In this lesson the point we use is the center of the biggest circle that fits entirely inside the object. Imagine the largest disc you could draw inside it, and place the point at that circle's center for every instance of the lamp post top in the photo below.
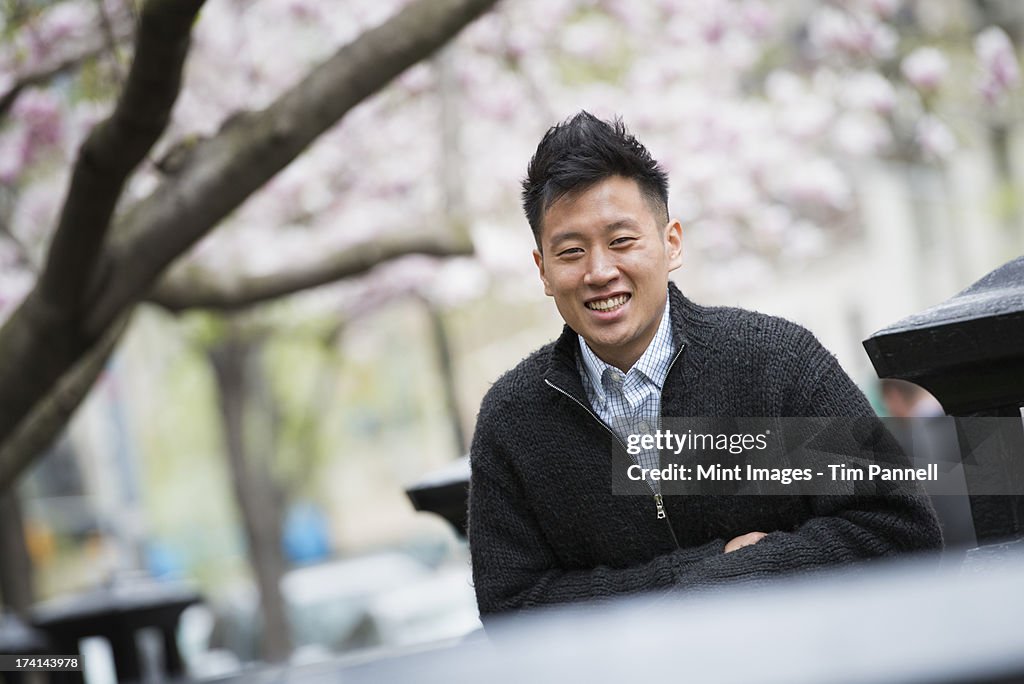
(968, 350)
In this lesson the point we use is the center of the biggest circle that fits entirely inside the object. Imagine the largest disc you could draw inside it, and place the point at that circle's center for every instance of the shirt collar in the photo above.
(653, 364)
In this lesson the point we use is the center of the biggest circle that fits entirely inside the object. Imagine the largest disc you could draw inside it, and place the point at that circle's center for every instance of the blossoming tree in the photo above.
(755, 107)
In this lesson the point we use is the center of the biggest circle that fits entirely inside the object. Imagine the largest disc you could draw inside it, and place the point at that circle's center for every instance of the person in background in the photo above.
(904, 399)
(926, 442)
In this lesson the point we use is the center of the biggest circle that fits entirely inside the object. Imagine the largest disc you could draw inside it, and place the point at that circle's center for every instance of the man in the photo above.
(544, 524)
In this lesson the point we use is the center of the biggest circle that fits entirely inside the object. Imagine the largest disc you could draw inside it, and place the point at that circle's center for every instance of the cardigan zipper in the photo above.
(657, 497)
(661, 507)
(659, 504)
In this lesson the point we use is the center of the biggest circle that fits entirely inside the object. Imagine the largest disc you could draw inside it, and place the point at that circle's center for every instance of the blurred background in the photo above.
(325, 346)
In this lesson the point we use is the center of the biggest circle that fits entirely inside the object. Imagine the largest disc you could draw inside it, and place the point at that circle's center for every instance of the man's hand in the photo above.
(748, 539)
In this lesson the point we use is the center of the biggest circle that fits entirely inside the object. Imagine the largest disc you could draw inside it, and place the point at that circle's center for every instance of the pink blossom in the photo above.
(886, 9)
(732, 195)
(935, 138)
(999, 68)
(818, 183)
(861, 135)
(743, 165)
(36, 128)
(869, 90)
(834, 31)
(784, 86)
(304, 10)
(418, 79)
(773, 222)
(65, 20)
(631, 15)
(10, 255)
(808, 118)
(41, 112)
(758, 19)
(520, 42)
(763, 153)
(483, 34)
(10, 157)
(714, 27)
(925, 68)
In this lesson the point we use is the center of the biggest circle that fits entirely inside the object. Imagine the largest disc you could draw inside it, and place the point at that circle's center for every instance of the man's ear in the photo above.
(674, 244)
(538, 259)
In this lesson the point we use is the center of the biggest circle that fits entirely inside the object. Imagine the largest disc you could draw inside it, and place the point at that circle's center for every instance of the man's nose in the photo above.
(601, 269)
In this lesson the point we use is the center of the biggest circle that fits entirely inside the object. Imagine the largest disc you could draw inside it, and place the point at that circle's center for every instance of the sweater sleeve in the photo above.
(842, 529)
(515, 567)
(846, 528)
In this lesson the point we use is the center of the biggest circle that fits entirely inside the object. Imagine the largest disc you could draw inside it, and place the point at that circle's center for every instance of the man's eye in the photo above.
(572, 251)
(623, 240)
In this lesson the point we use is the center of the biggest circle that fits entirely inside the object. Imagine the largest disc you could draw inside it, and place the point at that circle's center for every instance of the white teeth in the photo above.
(608, 304)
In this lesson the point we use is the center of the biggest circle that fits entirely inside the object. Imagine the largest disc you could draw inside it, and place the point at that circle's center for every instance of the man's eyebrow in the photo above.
(565, 236)
(621, 223)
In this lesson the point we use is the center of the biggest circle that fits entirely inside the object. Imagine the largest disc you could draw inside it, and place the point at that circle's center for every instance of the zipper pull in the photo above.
(661, 507)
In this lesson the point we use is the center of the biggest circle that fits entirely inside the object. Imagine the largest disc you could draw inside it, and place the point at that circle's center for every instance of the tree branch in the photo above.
(222, 171)
(111, 38)
(116, 146)
(48, 417)
(42, 341)
(193, 288)
(44, 338)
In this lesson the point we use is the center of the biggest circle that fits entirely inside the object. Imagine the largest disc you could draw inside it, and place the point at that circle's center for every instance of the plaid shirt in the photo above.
(630, 403)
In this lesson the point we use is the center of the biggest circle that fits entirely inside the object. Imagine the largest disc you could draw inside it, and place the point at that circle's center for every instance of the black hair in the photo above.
(584, 150)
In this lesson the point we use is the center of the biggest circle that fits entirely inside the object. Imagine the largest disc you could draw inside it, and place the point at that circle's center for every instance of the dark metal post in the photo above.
(968, 351)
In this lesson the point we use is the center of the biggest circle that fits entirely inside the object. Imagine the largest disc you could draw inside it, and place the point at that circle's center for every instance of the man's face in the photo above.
(605, 258)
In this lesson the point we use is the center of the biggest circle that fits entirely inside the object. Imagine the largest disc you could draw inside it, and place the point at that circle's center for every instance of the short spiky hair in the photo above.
(584, 150)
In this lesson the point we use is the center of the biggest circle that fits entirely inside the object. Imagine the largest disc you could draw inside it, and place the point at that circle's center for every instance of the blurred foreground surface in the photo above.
(912, 621)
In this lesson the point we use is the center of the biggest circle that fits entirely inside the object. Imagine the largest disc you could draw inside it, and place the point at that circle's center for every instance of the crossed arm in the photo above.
(514, 566)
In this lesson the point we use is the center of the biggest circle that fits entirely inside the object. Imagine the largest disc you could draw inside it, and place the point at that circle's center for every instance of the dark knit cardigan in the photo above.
(544, 526)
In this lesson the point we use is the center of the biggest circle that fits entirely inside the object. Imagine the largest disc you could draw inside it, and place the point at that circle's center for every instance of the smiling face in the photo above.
(605, 258)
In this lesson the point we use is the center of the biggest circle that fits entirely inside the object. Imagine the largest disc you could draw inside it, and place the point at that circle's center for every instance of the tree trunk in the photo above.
(453, 179)
(60, 321)
(999, 143)
(235, 362)
(16, 584)
(442, 348)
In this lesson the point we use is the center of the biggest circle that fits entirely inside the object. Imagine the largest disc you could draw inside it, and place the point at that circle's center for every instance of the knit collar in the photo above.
(688, 323)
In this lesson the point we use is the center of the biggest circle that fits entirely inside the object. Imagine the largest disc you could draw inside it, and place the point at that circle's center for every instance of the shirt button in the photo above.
(645, 427)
